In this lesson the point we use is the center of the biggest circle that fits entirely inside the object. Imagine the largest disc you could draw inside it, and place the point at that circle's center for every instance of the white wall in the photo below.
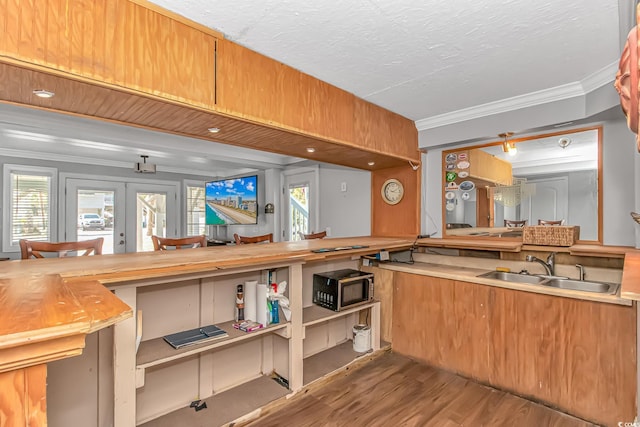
(346, 213)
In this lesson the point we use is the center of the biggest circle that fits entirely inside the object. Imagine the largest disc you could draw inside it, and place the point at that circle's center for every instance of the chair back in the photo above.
(36, 249)
(166, 243)
(550, 222)
(514, 223)
(255, 239)
(319, 235)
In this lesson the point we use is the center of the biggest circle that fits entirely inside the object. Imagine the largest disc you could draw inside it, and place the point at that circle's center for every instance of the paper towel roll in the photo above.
(250, 300)
(261, 304)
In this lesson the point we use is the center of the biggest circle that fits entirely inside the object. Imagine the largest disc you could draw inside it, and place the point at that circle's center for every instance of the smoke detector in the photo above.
(144, 167)
(564, 142)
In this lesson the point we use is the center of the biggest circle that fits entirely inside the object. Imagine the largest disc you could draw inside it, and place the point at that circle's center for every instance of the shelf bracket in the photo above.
(140, 377)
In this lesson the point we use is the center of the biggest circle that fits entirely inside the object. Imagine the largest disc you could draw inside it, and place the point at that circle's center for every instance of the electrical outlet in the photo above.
(328, 230)
(343, 186)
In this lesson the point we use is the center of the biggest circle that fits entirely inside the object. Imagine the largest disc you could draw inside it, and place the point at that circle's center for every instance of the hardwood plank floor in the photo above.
(393, 390)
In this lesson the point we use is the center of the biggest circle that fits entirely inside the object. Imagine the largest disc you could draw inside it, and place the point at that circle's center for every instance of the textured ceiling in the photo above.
(424, 58)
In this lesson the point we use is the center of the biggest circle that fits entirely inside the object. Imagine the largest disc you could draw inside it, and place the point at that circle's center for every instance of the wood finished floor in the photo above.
(393, 390)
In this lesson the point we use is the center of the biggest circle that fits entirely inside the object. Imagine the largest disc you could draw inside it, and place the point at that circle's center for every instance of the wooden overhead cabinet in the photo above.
(117, 42)
(258, 88)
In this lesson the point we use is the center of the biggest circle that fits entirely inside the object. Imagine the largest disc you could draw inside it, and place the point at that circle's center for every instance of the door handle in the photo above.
(121, 242)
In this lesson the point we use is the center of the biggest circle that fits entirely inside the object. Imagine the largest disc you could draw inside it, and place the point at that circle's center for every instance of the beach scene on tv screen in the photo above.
(231, 201)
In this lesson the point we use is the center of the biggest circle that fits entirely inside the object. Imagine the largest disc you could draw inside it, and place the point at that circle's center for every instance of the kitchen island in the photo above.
(174, 291)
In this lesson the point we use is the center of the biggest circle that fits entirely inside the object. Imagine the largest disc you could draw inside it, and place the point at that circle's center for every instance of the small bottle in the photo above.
(275, 315)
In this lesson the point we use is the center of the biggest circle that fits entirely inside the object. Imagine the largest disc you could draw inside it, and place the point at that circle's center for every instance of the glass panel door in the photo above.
(96, 209)
(300, 208)
(152, 210)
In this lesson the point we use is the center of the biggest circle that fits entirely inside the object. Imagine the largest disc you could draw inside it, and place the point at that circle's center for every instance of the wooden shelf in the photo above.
(328, 361)
(225, 407)
(316, 314)
(157, 351)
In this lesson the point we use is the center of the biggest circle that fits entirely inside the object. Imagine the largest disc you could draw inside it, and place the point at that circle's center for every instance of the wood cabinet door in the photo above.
(116, 42)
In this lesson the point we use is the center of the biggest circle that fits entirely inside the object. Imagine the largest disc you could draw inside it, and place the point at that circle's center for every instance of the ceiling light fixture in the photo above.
(508, 147)
(371, 163)
(214, 130)
(43, 93)
(311, 150)
(564, 142)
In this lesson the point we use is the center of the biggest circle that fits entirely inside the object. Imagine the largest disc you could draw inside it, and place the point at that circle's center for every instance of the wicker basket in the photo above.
(554, 235)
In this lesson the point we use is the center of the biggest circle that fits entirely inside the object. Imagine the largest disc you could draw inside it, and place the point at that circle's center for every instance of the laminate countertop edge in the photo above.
(468, 274)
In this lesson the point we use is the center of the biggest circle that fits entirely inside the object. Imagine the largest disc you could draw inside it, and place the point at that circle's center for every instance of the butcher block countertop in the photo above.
(49, 305)
(44, 318)
(109, 269)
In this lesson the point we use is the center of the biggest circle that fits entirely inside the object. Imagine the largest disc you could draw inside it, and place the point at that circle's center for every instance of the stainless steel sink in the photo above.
(583, 285)
(513, 277)
(552, 281)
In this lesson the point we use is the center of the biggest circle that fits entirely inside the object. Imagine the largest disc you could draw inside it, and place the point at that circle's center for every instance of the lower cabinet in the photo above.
(128, 375)
(575, 355)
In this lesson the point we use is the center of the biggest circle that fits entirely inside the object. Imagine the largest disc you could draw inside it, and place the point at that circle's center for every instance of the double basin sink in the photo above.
(554, 282)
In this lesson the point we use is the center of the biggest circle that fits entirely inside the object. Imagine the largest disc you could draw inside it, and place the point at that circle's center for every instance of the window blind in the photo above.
(30, 207)
(195, 210)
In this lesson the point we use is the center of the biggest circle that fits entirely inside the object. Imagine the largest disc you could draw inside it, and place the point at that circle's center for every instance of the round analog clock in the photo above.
(392, 191)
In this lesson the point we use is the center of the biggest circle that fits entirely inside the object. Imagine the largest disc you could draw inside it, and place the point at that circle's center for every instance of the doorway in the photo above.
(300, 191)
(96, 209)
(153, 211)
(125, 214)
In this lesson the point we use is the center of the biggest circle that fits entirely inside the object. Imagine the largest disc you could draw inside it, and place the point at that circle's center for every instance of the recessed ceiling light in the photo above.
(371, 163)
(214, 130)
(43, 93)
(311, 150)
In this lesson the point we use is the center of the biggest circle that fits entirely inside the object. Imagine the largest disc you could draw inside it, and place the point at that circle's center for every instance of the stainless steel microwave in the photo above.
(342, 289)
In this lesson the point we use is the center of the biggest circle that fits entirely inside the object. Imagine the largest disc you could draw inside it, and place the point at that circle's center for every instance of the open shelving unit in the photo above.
(236, 374)
(157, 351)
(334, 358)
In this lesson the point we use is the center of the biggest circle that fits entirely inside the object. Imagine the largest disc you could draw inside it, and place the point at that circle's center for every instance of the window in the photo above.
(195, 209)
(29, 200)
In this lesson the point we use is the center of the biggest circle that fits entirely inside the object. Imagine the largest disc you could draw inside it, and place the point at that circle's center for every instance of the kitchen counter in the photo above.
(469, 274)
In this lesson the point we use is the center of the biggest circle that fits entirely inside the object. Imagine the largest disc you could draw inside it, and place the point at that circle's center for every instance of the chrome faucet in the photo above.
(549, 266)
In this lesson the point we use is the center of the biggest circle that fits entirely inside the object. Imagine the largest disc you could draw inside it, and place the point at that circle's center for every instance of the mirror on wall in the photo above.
(493, 190)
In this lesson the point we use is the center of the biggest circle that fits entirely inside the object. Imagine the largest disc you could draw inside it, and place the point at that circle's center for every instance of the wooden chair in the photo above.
(514, 223)
(36, 249)
(550, 222)
(165, 243)
(255, 239)
(319, 235)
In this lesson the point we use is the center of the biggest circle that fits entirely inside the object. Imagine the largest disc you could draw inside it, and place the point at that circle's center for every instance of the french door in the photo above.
(125, 214)
(152, 209)
(102, 200)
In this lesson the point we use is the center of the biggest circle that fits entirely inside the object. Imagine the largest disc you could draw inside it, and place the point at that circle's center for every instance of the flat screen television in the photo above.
(232, 201)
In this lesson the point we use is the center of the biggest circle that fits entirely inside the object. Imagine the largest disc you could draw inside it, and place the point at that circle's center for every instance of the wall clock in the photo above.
(392, 191)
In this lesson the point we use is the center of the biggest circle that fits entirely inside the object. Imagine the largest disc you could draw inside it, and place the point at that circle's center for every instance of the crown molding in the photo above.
(102, 162)
(594, 81)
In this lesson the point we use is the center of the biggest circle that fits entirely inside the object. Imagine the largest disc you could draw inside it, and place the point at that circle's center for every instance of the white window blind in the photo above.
(195, 210)
(28, 205)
